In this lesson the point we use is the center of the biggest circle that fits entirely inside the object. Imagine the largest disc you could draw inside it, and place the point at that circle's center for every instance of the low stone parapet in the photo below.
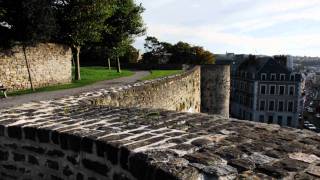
(51, 141)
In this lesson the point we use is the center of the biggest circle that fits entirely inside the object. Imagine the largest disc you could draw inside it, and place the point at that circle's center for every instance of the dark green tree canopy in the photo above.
(180, 53)
(82, 21)
(124, 25)
(28, 21)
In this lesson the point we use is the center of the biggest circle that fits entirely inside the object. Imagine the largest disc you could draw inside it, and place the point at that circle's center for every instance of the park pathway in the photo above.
(43, 96)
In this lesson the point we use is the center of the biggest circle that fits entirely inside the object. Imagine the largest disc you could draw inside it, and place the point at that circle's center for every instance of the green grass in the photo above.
(161, 73)
(89, 75)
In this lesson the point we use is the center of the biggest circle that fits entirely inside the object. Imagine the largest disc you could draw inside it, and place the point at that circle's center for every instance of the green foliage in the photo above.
(161, 73)
(28, 21)
(97, 55)
(156, 51)
(82, 21)
(124, 24)
(131, 55)
(181, 53)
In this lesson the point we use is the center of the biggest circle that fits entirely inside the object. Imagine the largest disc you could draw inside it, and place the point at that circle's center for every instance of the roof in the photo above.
(263, 64)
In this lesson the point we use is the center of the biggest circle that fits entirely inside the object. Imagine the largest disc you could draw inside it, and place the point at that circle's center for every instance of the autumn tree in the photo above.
(179, 53)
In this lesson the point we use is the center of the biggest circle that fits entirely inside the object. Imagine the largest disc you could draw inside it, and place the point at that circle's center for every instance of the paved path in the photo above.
(42, 96)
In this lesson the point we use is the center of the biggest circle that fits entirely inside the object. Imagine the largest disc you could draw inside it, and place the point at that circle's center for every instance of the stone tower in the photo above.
(215, 89)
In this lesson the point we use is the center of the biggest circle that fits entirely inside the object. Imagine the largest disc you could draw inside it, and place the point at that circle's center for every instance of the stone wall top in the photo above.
(175, 145)
(138, 143)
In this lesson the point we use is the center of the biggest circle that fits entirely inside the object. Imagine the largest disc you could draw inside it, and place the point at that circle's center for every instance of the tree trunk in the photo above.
(109, 65)
(28, 67)
(76, 53)
(118, 65)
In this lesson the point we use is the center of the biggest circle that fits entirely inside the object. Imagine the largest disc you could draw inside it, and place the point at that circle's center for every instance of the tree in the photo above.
(82, 22)
(28, 22)
(156, 51)
(131, 55)
(180, 53)
(125, 24)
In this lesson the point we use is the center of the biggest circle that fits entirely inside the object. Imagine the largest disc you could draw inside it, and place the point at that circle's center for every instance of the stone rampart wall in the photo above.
(55, 140)
(178, 93)
(50, 64)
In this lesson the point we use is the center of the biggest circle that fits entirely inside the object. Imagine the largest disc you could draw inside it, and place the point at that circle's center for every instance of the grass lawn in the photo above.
(89, 75)
(161, 73)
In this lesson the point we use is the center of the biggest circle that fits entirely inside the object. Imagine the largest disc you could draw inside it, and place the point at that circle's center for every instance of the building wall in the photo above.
(50, 64)
(251, 90)
(177, 93)
(215, 89)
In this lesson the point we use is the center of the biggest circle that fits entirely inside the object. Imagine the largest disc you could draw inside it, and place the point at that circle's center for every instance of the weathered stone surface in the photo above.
(177, 93)
(215, 87)
(314, 170)
(50, 64)
(72, 139)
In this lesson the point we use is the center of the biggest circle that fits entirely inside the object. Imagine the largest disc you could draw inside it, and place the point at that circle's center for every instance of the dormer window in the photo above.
(282, 77)
(273, 77)
(263, 76)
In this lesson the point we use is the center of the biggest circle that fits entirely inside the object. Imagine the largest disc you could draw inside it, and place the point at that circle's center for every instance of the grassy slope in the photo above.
(161, 73)
(89, 75)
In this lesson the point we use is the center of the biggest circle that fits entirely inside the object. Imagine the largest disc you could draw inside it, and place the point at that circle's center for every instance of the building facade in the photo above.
(265, 90)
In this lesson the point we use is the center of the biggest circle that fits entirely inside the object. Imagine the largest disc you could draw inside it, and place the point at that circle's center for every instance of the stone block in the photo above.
(14, 132)
(52, 164)
(30, 133)
(18, 157)
(4, 155)
(55, 153)
(97, 167)
(33, 160)
(43, 135)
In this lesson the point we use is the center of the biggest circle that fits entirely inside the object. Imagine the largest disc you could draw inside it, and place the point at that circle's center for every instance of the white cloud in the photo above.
(227, 25)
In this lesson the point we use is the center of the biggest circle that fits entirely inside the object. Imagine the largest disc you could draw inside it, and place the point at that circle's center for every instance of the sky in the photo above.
(266, 27)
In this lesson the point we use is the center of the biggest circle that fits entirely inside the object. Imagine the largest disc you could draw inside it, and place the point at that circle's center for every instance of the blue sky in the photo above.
(241, 26)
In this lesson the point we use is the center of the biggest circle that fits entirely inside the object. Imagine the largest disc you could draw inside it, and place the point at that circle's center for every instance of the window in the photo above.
(263, 89)
(291, 90)
(271, 105)
(292, 77)
(263, 76)
(261, 118)
(289, 121)
(270, 119)
(280, 106)
(273, 77)
(242, 74)
(281, 90)
(272, 89)
(262, 105)
(280, 120)
(282, 77)
(290, 106)
(250, 117)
